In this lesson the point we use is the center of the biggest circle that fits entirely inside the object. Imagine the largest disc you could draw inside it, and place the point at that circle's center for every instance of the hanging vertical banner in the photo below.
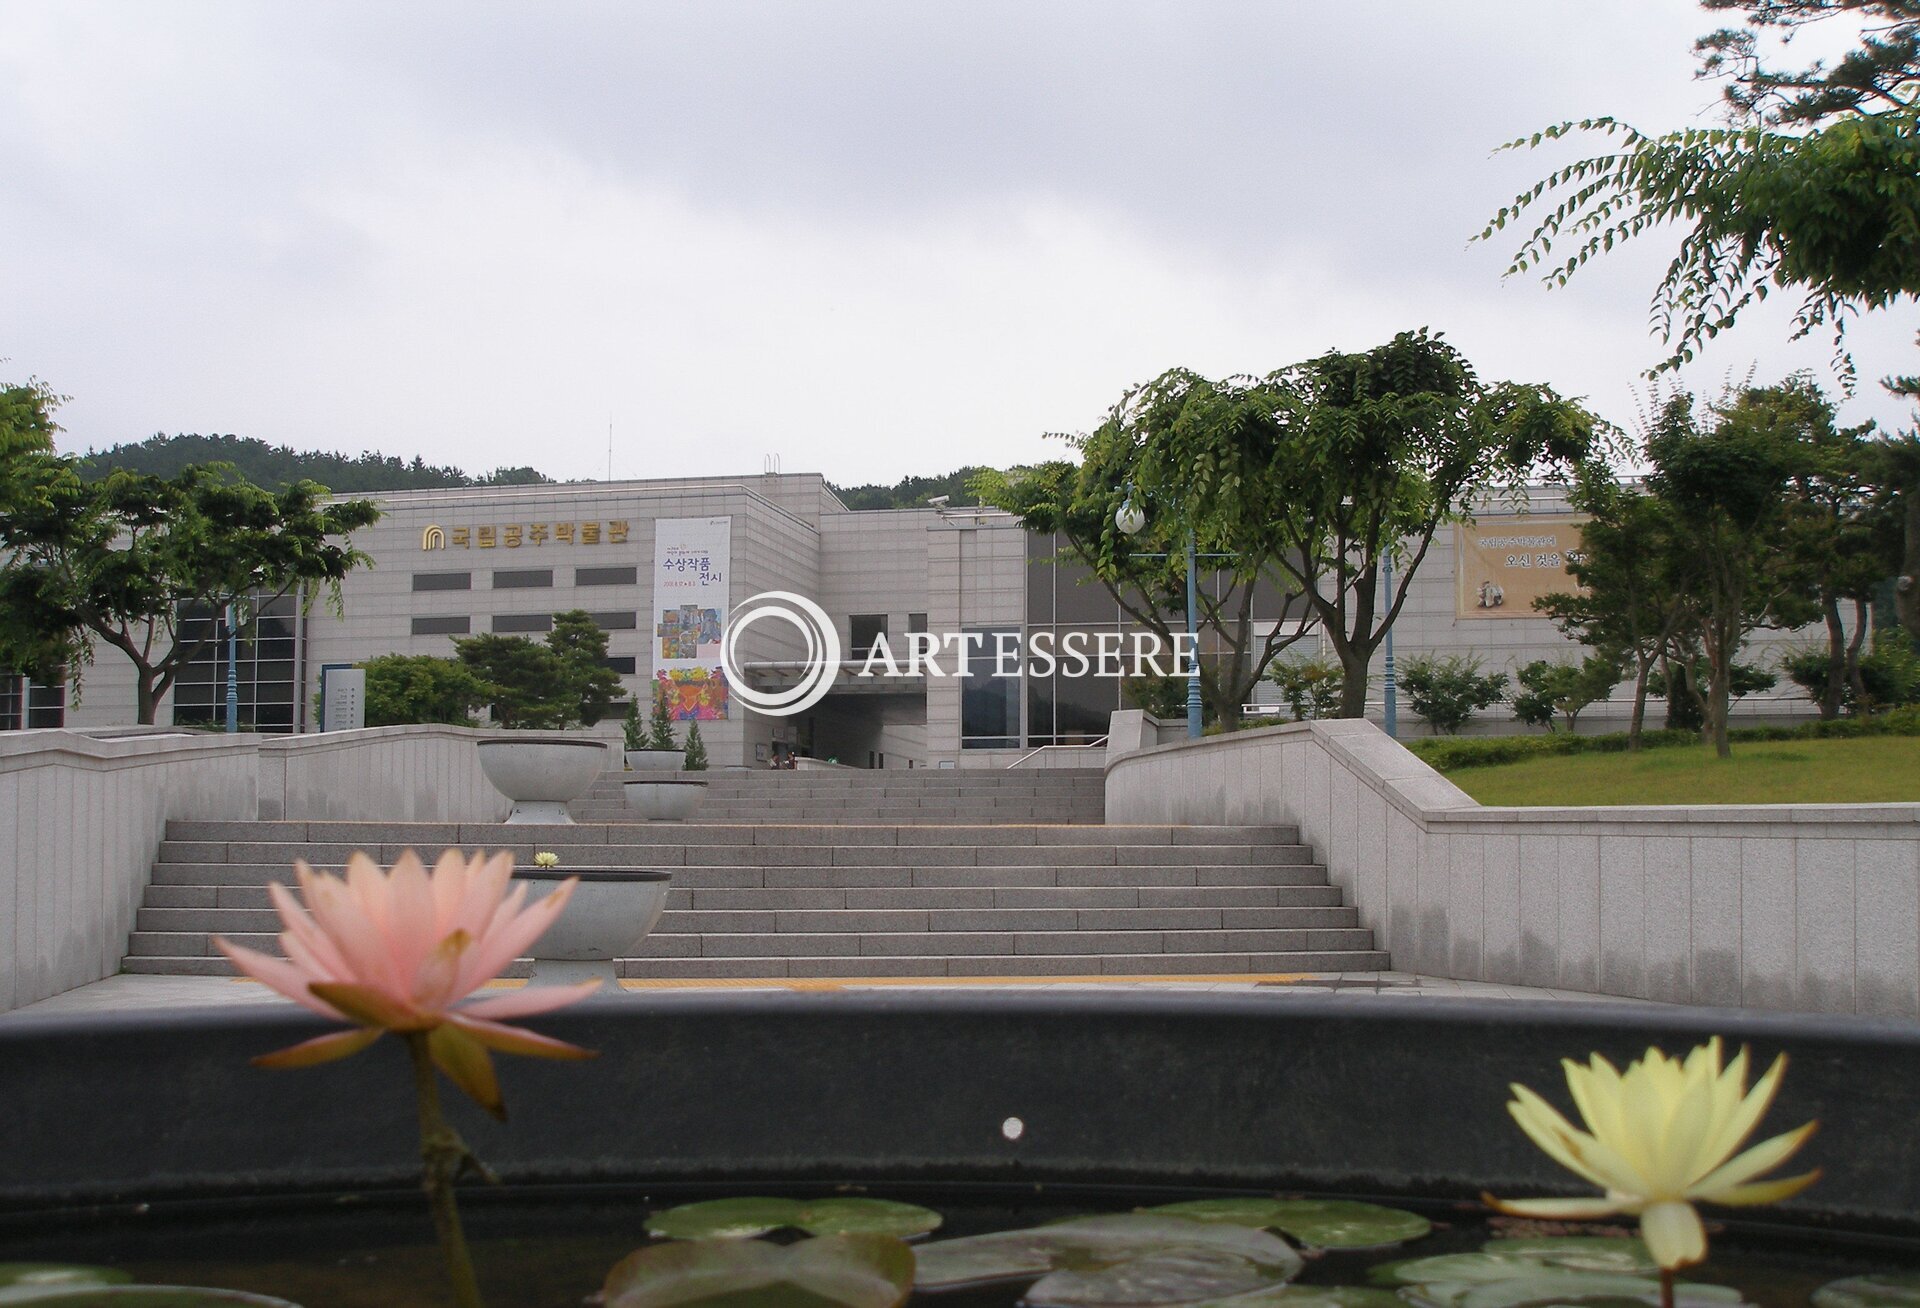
(691, 560)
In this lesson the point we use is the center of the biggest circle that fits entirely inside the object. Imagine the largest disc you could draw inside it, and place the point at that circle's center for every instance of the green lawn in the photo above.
(1868, 770)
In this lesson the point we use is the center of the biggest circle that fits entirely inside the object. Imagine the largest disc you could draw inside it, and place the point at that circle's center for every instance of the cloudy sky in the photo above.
(872, 239)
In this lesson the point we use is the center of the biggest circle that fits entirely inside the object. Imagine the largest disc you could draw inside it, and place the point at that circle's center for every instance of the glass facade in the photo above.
(267, 667)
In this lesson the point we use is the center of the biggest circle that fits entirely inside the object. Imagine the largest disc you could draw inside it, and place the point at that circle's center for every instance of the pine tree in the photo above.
(696, 749)
(660, 722)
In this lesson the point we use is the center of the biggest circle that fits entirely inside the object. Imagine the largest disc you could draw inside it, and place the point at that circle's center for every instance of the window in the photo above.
(863, 629)
(264, 679)
(523, 622)
(28, 703)
(620, 620)
(989, 704)
(605, 576)
(625, 665)
(522, 579)
(443, 581)
(916, 622)
(460, 626)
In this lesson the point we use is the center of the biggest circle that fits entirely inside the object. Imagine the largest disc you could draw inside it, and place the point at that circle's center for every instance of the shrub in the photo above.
(1448, 754)
(660, 721)
(1683, 714)
(1310, 685)
(630, 728)
(1891, 675)
(1550, 687)
(1447, 692)
(407, 688)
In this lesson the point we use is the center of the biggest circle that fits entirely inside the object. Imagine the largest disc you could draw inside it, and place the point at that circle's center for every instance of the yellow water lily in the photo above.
(1661, 1137)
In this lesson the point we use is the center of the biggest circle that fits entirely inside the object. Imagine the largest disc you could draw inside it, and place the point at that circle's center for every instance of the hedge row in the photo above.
(1451, 753)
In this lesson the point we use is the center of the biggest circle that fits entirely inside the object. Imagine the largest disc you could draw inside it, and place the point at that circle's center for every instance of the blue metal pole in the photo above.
(233, 672)
(1392, 707)
(1193, 641)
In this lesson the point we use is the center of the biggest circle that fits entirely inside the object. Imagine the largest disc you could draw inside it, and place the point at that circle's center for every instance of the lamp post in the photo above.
(1129, 518)
(1390, 710)
(233, 670)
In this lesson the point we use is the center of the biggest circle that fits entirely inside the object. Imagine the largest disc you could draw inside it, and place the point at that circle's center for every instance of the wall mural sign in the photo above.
(1502, 565)
(692, 558)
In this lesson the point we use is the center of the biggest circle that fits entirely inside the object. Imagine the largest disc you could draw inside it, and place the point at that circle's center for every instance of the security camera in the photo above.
(938, 501)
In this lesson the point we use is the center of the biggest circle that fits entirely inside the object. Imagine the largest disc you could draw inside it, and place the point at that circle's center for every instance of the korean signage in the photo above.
(691, 561)
(1502, 565)
(514, 535)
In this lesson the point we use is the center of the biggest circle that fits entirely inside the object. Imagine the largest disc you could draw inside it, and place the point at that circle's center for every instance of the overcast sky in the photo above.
(873, 239)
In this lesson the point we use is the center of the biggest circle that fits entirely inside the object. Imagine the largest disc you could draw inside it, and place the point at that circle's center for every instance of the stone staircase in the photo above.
(832, 897)
(878, 797)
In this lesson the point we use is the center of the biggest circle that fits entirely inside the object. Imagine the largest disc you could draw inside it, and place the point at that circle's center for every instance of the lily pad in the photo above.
(734, 1219)
(82, 1295)
(1309, 1296)
(830, 1271)
(23, 1279)
(1322, 1223)
(1551, 1288)
(1204, 1260)
(1887, 1290)
(1502, 1260)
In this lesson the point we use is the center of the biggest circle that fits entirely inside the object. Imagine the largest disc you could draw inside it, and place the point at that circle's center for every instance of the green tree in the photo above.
(118, 561)
(1726, 479)
(1563, 687)
(660, 720)
(1881, 74)
(520, 677)
(1681, 683)
(1146, 573)
(1448, 691)
(1840, 528)
(1630, 606)
(26, 419)
(1334, 465)
(588, 688)
(696, 749)
(633, 735)
(406, 688)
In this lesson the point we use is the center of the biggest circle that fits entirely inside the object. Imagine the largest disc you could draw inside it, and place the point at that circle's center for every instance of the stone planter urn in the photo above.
(656, 760)
(665, 798)
(541, 773)
(611, 912)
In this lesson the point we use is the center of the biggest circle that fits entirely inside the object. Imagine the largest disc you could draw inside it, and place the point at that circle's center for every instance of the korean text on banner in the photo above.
(691, 562)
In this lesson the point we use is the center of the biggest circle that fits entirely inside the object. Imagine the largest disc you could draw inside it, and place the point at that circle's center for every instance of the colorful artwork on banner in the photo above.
(691, 561)
(1502, 565)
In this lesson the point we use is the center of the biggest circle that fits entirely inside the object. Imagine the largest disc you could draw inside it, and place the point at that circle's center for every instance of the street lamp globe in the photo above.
(1130, 518)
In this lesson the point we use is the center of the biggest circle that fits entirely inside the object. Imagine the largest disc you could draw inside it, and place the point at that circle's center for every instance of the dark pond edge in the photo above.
(1364, 1095)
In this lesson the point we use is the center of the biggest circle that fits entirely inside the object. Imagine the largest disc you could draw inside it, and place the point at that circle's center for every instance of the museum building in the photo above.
(660, 565)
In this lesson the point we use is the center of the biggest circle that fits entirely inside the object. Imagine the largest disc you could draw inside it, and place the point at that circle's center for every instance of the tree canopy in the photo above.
(279, 466)
(1307, 479)
(118, 561)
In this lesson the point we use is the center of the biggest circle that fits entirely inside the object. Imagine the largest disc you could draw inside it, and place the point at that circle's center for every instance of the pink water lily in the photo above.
(397, 952)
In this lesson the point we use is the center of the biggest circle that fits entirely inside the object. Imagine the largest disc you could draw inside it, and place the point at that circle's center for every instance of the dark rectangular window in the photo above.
(625, 665)
(459, 626)
(522, 579)
(605, 576)
(443, 581)
(863, 629)
(523, 622)
(917, 622)
(616, 620)
(27, 703)
(989, 704)
(265, 691)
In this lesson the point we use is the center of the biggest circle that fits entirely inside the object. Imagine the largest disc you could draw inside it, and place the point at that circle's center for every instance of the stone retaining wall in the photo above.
(1812, 907)
(81, 814)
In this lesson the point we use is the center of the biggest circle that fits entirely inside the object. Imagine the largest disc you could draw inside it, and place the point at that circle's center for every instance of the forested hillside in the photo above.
(278, 466)
(911, 492)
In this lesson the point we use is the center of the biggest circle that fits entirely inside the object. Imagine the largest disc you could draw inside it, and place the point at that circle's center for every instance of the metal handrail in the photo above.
(1091, 744)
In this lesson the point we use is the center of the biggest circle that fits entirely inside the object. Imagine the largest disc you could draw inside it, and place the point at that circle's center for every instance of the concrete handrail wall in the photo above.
(1800, 906)
(82, 814)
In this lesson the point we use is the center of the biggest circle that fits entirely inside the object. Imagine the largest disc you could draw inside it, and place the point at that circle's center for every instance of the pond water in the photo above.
(553, 1249)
